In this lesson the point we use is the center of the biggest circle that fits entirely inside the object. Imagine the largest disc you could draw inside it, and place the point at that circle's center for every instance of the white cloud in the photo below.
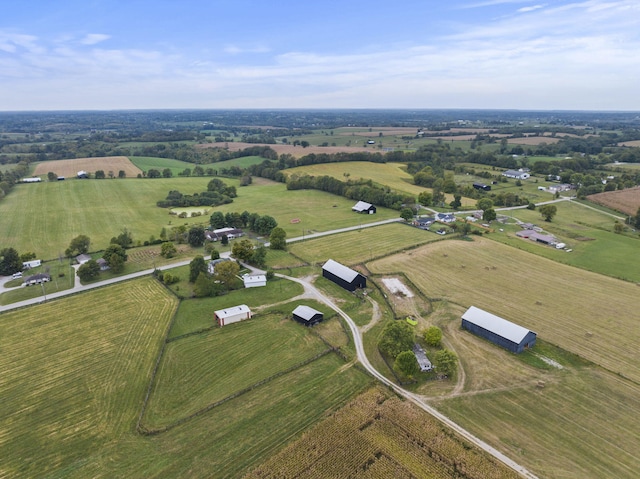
(235, 49)
(94, 38)
(530, 9)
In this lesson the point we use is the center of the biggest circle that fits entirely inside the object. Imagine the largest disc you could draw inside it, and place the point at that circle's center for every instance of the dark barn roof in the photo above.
(307, 315)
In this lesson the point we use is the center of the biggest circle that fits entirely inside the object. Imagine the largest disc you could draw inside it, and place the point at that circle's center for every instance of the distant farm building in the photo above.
(307, 315)
(535, 236)
(32, 180)
(230, 233)
(482, 186)
(82, 174)
(499, 331)
(231, 315)
(446, 218)
(424, 223)
(343, 276)
(517, 174)
(421, 357)
(37, 279)
(83, 258)
(254, 280)
(364, 207)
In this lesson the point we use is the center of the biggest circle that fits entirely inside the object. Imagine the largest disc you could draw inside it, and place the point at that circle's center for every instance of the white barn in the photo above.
(254, 280)
(233, 314)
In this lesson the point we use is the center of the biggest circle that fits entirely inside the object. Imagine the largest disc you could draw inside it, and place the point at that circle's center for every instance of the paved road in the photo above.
(417, 400)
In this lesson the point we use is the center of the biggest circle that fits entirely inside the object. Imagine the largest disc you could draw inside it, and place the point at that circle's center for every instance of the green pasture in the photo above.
(197, 313)
(588, 232)
(199, 370)
(145, 163)
(362, 245)
(581, 424)
(75, 372)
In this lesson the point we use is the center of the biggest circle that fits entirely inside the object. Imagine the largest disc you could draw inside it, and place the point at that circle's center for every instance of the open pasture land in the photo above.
(45, 217)
(295, 151)
(73, 374)
(379, 435)
(70, 168)
(626, 201)
(582, 424)
(588, 314)
(362, 245)
(145, 163)
(199, 370)
(588, 232)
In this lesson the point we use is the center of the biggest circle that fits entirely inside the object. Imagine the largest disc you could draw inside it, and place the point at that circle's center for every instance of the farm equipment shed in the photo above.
(506, 334)
(343, 276)
(232, 315)
(307, 315)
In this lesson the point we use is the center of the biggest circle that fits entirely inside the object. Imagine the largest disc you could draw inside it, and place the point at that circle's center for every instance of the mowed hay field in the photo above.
(585, 313)
(627, 201)
(74, 372)
(70, 168)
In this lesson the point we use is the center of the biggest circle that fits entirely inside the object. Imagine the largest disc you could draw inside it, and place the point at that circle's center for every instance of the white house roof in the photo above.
(232, 311)
(362, 206)
(306, 312)
(495, 324)
(340, 270)
(254, 278)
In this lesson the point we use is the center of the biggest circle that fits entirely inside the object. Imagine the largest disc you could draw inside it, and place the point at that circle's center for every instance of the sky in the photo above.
(227, 54)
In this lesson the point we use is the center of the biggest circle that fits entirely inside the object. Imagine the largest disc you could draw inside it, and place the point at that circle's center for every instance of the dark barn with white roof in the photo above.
(307, 315)
(499, 331)
(343, 276)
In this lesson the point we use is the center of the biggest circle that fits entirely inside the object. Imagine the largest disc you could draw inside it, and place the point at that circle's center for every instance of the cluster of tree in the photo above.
(360, 190)
(9, 178)
(244, 250)
(260, 224)
(397, 340)
(218, 193)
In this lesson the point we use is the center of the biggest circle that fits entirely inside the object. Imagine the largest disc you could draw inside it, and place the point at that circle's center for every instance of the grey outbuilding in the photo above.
(506, 334)
(307, 315)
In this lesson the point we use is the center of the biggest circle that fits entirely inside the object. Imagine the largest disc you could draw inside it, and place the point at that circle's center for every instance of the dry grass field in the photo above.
(588, 314)
(69, 168)
(295, 151)
(626, 201)
(380, 436)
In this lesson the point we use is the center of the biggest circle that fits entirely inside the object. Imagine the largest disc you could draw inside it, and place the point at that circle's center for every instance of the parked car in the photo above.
(17, 275)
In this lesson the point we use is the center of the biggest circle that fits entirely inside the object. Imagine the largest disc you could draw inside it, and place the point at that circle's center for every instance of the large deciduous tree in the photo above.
(433, 336)
(548, 211)
(79, 245)
(115, 256)
(196, 236)
(278, 239)
(406, 364)
(168, 250)
(242, 250)
(197, 266)
(446, 362)
(89, 270)
(9, 261)
(397, 337)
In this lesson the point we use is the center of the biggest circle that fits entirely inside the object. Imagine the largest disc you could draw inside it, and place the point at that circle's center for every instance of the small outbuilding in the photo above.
(254, 280)
(506, 334)
(232, 315)
(34, 263)
(481, 186)
(364, 207)
(421, 357)
(343, 276)
(83, 258)
(211, 267)
(307, 315)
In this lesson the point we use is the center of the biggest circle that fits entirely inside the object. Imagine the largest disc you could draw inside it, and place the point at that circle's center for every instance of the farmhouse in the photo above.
(364, 207)
(307, 315)
(343, 276)
(446, 218)
(504, 333)
(103, 264)
(535, 236)
(83, 258)
(37, 279)
(424, 222)
(230, 233)
(421, 357)
(517, 174)
(211, 267)
(232, 315)
(254, 280)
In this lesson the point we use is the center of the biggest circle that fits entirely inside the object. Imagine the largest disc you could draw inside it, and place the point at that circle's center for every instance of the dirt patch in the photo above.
(395, 286)
(70, 168)
(295, 151)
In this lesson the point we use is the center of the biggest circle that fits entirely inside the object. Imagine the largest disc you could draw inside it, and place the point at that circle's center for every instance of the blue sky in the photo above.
(504, 54)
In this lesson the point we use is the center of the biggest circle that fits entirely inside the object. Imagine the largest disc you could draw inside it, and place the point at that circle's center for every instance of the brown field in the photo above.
(295, 151)
(630, 143)
(69, 168)
(626, 201)
(588, 314)
(379, 435)
(533, 140)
